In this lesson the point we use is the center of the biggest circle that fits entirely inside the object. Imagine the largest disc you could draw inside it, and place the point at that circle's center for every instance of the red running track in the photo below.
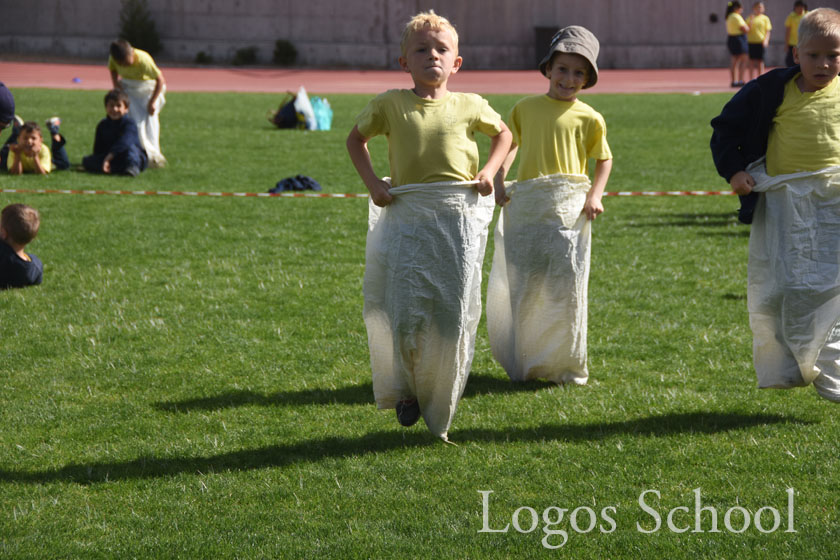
(16, 74)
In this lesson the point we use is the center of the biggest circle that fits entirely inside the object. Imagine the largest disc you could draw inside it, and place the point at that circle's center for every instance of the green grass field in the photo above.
(192, 379)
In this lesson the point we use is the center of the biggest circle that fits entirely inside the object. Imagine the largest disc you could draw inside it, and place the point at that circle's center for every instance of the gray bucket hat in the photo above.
(575, 39)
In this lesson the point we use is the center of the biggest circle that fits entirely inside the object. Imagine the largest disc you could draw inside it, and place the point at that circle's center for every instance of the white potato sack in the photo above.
(537, 291)
(422, 292)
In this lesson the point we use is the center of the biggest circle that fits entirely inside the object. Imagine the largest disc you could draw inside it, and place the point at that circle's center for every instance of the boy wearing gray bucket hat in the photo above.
(537, 302)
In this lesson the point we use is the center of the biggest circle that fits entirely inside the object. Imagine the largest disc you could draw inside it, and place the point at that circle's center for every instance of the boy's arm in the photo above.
(36, 161)
(360, 156)
(16, 165)
(159, 83)
(730, 129)
(499, 149)
(593, 206)
(499, 182)
(115, 79)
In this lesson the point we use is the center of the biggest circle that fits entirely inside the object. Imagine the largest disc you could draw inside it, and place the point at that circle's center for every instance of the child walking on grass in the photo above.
(537, 292)
(780, 136)
(427, 228)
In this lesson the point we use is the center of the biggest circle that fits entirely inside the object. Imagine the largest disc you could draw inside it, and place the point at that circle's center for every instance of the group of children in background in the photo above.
(747, 40)
(126, 141)
(779, 133)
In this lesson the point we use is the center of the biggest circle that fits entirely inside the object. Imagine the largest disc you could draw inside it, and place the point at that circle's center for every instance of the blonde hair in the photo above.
(427, 20)
(822, 22)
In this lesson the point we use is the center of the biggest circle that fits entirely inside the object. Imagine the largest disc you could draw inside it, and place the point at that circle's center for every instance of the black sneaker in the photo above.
(133, 171)
(408, 412)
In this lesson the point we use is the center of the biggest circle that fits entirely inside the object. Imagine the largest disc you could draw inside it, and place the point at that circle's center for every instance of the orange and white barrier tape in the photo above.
(299, 194)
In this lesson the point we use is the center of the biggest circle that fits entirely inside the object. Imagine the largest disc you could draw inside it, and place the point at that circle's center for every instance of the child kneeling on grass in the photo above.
(780, 136)
(537, 292)
(116, 146)
(425, 248)
(18, 226)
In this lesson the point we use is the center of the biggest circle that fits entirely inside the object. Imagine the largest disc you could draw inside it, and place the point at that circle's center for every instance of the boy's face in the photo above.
(30, 140)
(567, 74)
(116, 109)
(758, 9)
(431, 57)
(819, 60)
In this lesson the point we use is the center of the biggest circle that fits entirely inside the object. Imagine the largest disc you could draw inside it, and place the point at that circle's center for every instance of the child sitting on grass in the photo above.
(537, 292)
(422, 284)
(28, 154)
(135, 72)
(116, 146)
(780, 136)
(18, 226)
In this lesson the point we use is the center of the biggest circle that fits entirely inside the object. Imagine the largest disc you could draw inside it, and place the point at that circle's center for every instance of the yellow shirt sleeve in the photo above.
(144, 67)
(557, 136)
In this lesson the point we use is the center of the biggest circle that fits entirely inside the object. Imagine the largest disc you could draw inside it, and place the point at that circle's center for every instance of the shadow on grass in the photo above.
(339, 447)
(351, 394)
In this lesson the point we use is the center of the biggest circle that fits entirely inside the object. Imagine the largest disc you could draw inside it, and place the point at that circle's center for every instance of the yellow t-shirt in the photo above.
(792, 21)
(556, 136)
(759, 27)
(429, 140)
(44, 156)
(734, 23)
(805, 135)
(144, 67)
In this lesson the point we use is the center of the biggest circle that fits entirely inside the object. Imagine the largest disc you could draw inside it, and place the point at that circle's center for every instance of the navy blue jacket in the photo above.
(116, 136)
(16, 272)
(742, 129)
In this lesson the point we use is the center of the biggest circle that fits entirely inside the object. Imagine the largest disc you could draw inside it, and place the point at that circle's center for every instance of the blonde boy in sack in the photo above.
(427, 228)
(780, 136)
(537, 292)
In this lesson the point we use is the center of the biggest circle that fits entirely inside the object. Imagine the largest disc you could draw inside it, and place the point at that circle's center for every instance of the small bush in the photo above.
(285, 53)
(245, 56)
(138, 28)
(203, 58)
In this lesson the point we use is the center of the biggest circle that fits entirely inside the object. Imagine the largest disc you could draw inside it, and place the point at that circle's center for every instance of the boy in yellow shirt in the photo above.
(135, 72)
(537, 292)
(780, 136)
(427, 228)
(29, 154)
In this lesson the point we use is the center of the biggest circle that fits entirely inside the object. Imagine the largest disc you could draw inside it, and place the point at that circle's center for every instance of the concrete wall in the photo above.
(365, 33)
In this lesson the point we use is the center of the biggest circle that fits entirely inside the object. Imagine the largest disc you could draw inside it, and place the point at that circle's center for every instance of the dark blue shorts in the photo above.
(756, 51)
(737, 44)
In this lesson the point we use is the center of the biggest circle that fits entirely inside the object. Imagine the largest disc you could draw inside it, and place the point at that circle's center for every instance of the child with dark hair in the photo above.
(135, 72)
(19, 225)
(116, 148)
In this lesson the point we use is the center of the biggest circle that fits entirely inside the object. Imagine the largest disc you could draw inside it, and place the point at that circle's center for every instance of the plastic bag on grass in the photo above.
(422, 293)
(793, 292)
(537, 291)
